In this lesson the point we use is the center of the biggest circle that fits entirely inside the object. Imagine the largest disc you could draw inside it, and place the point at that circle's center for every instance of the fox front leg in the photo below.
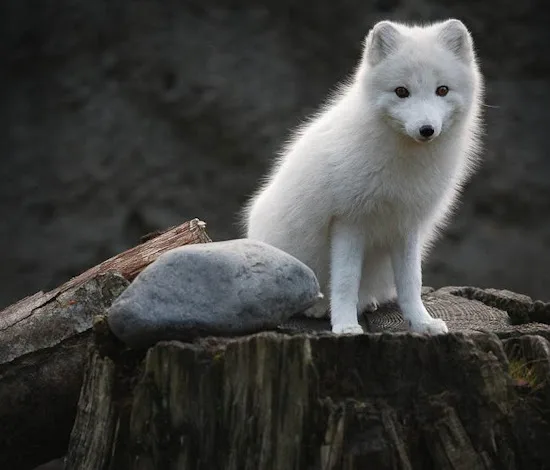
(346, 252)
(406, 260)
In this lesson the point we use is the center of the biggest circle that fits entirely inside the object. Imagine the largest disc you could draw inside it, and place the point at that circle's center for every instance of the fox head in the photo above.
(420, 80)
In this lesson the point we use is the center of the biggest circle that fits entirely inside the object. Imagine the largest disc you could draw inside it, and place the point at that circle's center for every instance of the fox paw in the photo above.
(347, 329)
(429, 326)
(370, 307)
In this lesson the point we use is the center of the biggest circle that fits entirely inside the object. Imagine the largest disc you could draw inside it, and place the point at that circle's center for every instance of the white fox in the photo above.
(362, 189)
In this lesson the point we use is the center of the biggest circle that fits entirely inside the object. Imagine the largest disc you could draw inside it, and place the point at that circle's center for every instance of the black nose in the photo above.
(426, 131)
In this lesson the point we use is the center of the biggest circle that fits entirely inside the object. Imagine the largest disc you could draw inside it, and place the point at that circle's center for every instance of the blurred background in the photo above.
(120, 117)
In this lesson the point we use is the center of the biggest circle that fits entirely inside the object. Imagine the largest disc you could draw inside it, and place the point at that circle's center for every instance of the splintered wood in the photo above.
(128, 264)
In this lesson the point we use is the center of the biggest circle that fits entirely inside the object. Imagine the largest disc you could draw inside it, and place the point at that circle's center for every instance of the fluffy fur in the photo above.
(359, 194)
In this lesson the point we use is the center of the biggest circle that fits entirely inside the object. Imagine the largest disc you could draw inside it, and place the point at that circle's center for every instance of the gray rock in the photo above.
(232, 287)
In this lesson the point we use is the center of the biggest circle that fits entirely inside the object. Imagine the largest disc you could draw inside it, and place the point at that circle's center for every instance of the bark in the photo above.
(43, 349)
(312, 401)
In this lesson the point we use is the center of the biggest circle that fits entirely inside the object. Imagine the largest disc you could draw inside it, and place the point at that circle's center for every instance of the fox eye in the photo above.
(442, 90)
(402, 92)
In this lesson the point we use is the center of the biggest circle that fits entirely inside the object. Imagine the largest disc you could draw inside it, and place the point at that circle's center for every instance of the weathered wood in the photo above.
(98, 414)
(316, 401)
(43, 344)
(128, 264)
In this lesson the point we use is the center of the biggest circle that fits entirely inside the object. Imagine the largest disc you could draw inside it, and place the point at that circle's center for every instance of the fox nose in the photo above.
(426, 131)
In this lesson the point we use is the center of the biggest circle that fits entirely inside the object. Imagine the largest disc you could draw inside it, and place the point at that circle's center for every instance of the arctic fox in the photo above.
(362, 189)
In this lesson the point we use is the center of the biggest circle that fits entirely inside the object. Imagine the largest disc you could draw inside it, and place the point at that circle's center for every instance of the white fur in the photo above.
(357, 194)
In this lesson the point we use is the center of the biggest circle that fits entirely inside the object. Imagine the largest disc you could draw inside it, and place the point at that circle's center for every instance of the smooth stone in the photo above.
(221, 288)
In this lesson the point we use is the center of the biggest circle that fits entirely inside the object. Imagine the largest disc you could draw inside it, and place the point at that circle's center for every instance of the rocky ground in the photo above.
(118, 118)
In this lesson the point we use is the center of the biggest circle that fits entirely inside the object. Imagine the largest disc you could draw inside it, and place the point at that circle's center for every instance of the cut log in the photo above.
(43, 350)
(315, 401)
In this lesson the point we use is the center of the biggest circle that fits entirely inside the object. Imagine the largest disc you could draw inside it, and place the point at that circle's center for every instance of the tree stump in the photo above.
(310, 400)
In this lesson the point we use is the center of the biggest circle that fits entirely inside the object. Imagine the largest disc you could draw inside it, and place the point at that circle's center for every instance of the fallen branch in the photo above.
(128, 264)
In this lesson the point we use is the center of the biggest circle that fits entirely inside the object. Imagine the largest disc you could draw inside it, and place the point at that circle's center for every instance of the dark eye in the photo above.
(402, 92)
(442, 91)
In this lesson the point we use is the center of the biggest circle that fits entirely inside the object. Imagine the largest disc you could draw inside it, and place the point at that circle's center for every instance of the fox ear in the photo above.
(382, 40)
(457, 39)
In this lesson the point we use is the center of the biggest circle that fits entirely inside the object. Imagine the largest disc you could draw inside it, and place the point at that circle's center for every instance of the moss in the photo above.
(524, 374)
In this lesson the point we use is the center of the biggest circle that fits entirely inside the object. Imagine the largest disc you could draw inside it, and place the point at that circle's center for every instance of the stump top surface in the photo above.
(465, 309)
